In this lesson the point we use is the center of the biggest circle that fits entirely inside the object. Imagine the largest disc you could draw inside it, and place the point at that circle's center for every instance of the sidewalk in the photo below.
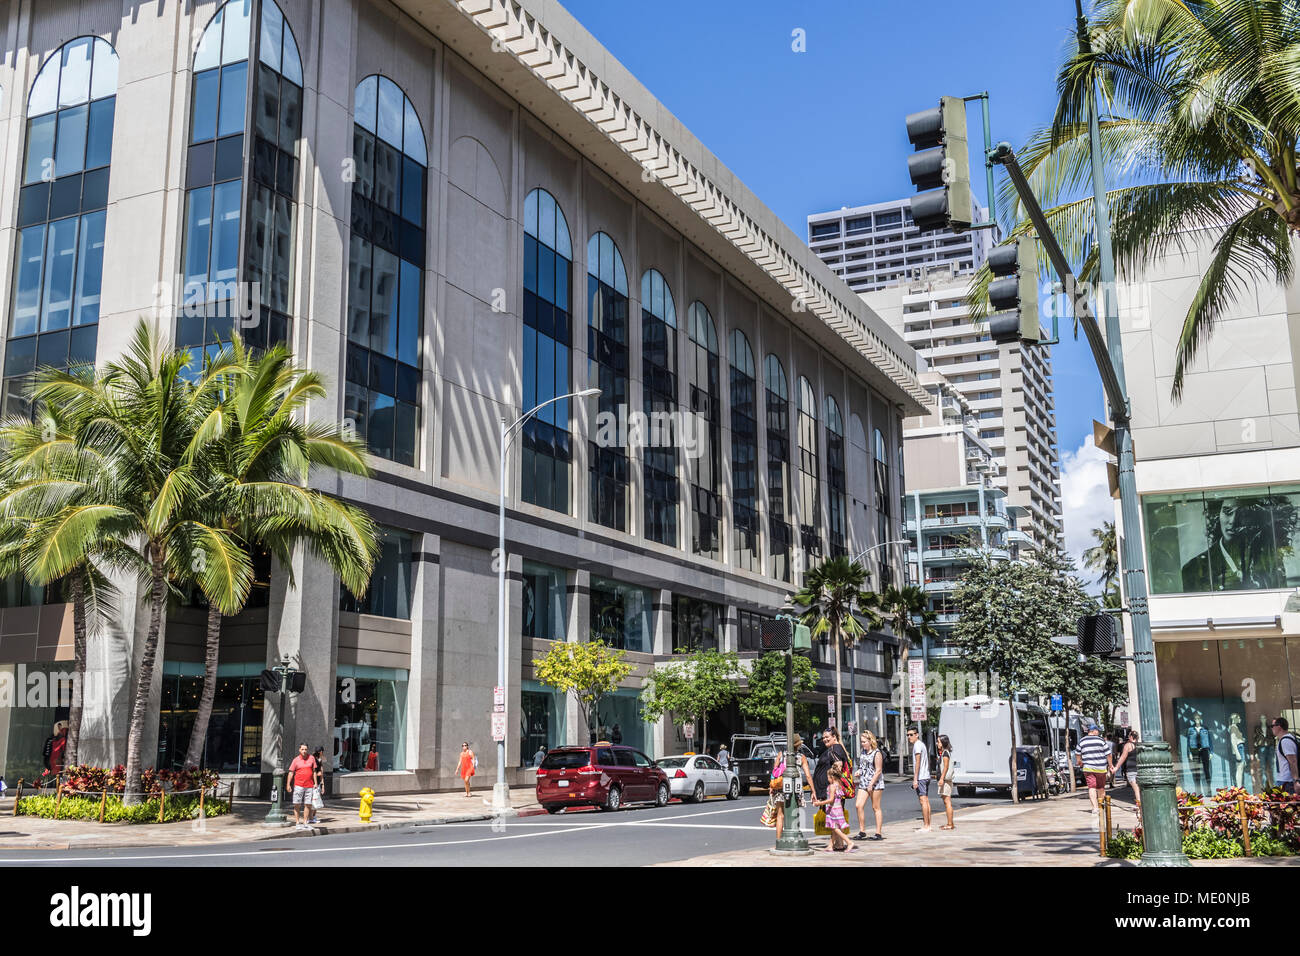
(245, 823)
(1056, 832)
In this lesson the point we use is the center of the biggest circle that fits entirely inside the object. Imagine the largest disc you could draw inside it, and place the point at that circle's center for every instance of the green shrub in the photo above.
(1266, 844)
(1203, 843)
(1124, 846)
(87, 808)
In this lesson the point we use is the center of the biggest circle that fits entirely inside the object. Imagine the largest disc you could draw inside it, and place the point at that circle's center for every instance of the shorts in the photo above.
(1131, 777)
(923, 787)
(945, 789)
(1096, 779)
(302, 795)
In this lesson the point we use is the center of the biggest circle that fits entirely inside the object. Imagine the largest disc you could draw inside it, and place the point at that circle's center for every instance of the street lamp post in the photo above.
(501, 791)
(792, 840)
(275, 816)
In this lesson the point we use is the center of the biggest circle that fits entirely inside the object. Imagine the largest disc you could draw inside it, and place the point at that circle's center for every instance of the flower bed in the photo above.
(87, 808)
(84, 792)
(1212, 827)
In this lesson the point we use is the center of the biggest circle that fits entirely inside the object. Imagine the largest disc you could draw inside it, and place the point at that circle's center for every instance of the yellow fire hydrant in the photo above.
(367, 799)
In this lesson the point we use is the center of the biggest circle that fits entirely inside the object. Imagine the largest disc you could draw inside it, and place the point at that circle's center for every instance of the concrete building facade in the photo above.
(454, 210)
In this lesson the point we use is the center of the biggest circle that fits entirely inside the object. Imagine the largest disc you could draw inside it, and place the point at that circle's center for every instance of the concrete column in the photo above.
(663, 647)
(422, 752)
(578, 595)
(303, 626)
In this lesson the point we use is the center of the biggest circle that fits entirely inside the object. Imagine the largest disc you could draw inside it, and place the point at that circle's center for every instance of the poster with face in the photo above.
(1232, 540)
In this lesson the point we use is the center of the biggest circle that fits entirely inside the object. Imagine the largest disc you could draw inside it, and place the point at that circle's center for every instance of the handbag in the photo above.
(847, 788)
(768, 819)
(819, 823)
(316, 800)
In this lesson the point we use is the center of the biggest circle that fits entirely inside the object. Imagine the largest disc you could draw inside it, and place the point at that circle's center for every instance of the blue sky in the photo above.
(824, 128)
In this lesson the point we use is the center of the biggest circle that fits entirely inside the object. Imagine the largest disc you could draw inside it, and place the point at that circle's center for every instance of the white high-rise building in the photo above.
(917, 281)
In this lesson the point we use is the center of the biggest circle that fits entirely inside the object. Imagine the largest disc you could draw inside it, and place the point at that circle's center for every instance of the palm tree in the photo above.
(830, 595)
(1200, 122)
(907, 612)
(147, 415)
(256, 463)
(1103, 557)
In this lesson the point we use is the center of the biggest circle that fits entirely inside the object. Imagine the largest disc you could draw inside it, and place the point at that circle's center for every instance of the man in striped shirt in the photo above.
(1094, 758)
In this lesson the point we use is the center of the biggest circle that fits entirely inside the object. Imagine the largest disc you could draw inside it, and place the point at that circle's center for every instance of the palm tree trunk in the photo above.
(839, 652)
(212, 647)
(144, 682)
(78, 582)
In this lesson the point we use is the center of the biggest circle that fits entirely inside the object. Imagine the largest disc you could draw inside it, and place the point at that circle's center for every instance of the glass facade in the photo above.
(389, 594)
(541, 720)
(386, 271)
(622, 615)
(234, 743)
(1242, 539)
(223, 154)
(607, 352)
(23, 735)
(749, 625)
(837, 497)
(883, 507)
(744, 455)
(1216, 698)
(778, 469)
(706, 511)
(697, 624)
(58, 266)
(619, 720)
(548, 282)
(545, 605)
(659, 381)
(810, 533)
(369, 719)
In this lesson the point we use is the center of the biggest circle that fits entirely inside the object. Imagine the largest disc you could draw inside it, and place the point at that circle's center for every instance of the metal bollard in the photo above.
(1102, 829)
(1245, 824)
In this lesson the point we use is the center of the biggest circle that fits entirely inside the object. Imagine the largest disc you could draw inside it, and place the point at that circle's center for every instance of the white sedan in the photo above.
(696, 776)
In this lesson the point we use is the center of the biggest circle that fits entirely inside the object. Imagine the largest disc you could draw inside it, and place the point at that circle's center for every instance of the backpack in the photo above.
(1279, 758)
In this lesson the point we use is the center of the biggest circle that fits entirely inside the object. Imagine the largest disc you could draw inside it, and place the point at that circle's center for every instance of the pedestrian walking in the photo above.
(834, 804)
(724, 757)
(774, 811)
(300, 780)
(56, 747)
(1127, 765)
(318, 785)
(920, 776)
(466, 765)
(871, 783)
(947, 770)
(805, 775)
(540, 755)
(1286, 771)
(1093, 757)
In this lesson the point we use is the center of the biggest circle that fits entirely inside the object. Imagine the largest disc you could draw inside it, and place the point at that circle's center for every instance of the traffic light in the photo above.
(1013, 293)
(941, 165)
(777, 635)
(1097, 634)
(802, 639)
(270, 681)
(297, 682)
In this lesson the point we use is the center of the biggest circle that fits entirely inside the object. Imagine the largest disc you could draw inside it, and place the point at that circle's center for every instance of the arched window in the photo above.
(608, 360)
(778, 468)
(659, 382)
(809, 475)
(386, 260)
(58, 268)
(705, 405)
(548, 281)
(222, 294)
(744, 454)
(881, 456)
(835, 482)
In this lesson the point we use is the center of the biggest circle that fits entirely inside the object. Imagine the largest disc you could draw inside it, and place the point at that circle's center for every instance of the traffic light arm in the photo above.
(988, 163)
(1006, 156)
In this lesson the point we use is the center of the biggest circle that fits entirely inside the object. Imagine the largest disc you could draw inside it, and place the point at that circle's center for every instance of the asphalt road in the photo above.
(632, 837)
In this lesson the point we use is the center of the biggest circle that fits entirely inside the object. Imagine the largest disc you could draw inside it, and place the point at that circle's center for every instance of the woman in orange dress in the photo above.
(465, 767)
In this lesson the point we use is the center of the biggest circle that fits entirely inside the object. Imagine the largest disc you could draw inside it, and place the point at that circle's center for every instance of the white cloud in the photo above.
(1086, 501)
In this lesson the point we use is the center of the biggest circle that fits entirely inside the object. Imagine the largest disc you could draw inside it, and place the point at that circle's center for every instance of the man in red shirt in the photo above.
(302, 778)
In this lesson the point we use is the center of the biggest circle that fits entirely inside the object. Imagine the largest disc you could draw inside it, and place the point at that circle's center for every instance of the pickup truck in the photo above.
(753, 758)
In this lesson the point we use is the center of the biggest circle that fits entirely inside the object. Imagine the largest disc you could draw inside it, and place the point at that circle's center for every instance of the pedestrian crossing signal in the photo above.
(777, 635)
(1097, 634)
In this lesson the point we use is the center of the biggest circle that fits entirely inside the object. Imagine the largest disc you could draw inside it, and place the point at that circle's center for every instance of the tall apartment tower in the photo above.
(917, 281)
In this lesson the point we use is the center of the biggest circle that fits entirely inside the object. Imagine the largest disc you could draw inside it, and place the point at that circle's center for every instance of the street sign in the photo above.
(852, 726)
(498, 726)
(916, 688)
(689, 731)
(499, 699)
(1057, 704)
(830, 703)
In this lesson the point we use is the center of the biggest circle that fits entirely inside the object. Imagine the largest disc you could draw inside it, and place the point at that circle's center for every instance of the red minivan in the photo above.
(602, 775)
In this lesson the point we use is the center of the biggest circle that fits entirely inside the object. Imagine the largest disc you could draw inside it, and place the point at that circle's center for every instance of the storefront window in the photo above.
(621, 615)
(45, 691)
(620, 720)
(545, 607)
(1227, 540)
(1216, 699)
(369, 719)
(234, 743)
(541, 721)
(390, 583)
(696, 624)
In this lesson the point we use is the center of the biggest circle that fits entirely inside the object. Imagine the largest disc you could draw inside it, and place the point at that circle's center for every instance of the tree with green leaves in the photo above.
(829, 604)
(1200, 122)
(1009, 613)
(906, 611)
(257, 453)
(692, 686)
(1103, 558)
(586, 670)
(765, 699)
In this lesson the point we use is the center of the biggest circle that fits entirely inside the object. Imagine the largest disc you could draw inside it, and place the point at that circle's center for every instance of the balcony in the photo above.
(940, 585)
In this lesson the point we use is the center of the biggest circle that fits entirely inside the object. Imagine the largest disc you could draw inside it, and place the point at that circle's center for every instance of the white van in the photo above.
(979, 730)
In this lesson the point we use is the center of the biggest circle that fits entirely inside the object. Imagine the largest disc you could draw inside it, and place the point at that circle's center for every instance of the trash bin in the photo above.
(1027, 774)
